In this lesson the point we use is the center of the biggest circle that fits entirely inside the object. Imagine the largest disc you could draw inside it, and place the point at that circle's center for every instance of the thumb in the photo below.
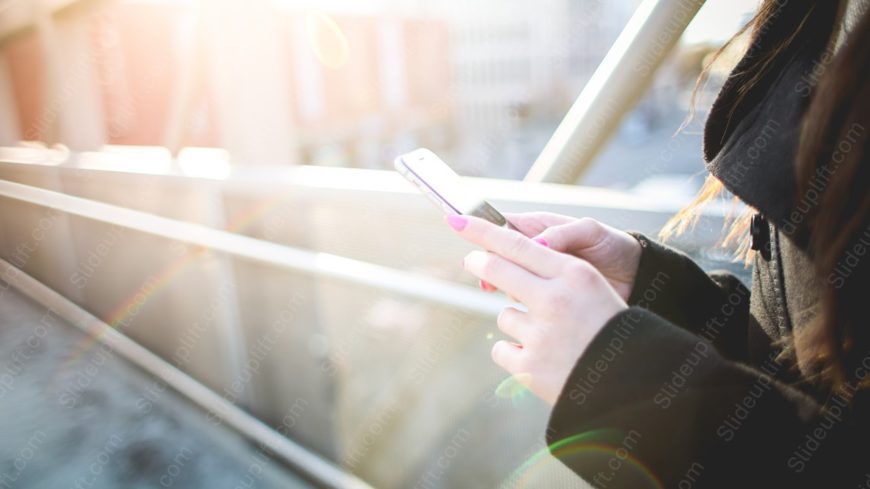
(575, 236)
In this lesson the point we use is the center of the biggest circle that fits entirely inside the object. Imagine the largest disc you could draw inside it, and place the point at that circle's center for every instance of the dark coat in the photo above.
(696, 384)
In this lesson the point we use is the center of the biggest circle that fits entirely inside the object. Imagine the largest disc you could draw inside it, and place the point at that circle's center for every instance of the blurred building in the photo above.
(272, 85)
(329, 83)
(518, 67)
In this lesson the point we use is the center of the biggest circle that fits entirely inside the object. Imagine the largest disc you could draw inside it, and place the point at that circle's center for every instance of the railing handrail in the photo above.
(246, 179)
(280, 256)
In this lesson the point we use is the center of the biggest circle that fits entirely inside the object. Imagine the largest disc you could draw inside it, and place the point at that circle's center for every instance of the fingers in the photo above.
(513, 323)
(576, 236)
(506, 275)
(507, 355)
(534, 223)
(488, 287)
(508, 244)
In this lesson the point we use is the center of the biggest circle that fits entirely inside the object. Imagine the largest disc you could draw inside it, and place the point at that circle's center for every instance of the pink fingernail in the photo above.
(542, 242)
(458, 223)
(486, 286)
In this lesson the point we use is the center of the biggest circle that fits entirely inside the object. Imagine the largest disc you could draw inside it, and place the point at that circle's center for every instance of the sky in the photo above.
(718, 20)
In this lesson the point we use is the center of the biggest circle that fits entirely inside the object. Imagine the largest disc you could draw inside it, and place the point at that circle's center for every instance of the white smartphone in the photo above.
(443, 186)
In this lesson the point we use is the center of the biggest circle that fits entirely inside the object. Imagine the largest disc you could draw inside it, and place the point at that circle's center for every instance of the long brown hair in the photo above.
(833, 176)
(833, 202)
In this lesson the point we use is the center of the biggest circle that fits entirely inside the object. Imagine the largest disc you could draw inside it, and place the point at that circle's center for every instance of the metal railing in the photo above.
(275, 256)
(271, 254)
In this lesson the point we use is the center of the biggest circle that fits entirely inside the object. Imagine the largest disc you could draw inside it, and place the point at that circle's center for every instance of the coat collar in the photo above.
(750, 142)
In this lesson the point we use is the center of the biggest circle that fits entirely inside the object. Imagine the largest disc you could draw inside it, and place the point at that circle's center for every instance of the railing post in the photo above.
(73, 111)
(620, 80)
(10, 133)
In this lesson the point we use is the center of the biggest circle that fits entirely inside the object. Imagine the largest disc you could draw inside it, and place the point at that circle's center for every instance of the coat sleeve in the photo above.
(672, 285)
(649, 404)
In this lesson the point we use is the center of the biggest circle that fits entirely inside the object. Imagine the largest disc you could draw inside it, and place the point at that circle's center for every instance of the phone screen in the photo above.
(444, 187)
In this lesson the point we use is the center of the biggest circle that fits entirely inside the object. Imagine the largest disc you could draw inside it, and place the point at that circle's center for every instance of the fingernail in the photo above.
(458, 223)
(542, 242)
(486, 286)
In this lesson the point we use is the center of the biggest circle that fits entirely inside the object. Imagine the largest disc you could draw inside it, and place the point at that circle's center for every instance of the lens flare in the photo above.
(607, 449)
(515, 388)
(327, 40)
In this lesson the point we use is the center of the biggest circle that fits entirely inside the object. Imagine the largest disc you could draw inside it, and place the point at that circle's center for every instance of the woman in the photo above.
(690, 379)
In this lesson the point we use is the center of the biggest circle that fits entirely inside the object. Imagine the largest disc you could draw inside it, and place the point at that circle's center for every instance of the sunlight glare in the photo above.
(153, 160)
(212, 163)
(327, 40)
